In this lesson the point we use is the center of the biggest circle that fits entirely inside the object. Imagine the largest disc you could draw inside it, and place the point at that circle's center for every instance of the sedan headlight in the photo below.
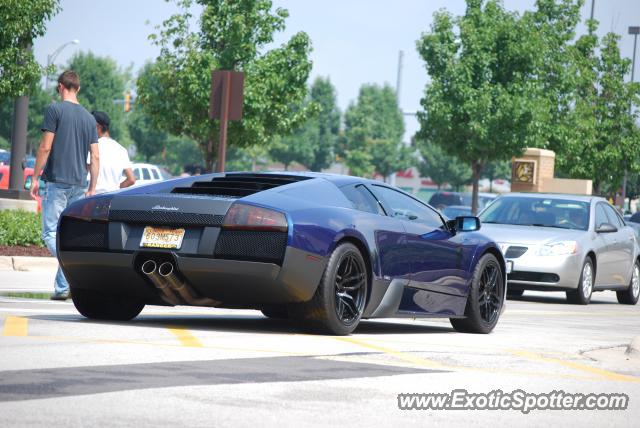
(561, 248)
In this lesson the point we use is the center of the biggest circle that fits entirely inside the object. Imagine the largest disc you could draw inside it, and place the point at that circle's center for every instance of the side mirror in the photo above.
(464, 224)
(606, 228)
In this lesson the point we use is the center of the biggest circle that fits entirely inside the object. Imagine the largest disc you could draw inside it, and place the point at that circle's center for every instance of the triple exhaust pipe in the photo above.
(174, 290)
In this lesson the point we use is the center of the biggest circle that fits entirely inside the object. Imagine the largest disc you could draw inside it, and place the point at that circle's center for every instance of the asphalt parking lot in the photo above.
(213, 367)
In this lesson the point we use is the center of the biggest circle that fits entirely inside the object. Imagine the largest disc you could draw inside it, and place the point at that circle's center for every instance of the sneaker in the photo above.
(60, 296)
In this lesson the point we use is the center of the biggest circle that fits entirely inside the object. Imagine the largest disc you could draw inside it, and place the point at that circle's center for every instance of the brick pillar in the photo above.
(532, 170)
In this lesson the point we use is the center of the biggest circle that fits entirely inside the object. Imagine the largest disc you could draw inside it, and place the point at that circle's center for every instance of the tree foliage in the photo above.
(497, 170)
(481, 102)
(232, 35)
(149, 140)
(38, 101)
(101, 82)
(603, 120)
(441, 167)
(551, 31)
(373, 133)
(313, 144)
(21, 22)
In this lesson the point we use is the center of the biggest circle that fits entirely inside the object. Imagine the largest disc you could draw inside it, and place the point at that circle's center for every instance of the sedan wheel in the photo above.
(337, 306)
(631, 294)
(582, 296)
(485, 300)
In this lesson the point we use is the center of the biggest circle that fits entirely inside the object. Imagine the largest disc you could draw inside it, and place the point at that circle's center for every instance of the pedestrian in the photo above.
(114, 159)
(68, 136)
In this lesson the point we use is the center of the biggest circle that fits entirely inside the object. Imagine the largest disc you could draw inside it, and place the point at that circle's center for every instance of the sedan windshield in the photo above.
(542, 212)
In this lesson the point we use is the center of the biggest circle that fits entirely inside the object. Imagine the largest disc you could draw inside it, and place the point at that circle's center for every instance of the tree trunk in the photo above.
(476, 170)
(209, 157)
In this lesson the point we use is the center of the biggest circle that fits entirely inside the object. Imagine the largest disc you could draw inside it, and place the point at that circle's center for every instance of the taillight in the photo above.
(94, 208)
(248, 217)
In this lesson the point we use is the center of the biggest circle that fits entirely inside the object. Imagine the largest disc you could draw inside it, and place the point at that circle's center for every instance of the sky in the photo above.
(354, 41)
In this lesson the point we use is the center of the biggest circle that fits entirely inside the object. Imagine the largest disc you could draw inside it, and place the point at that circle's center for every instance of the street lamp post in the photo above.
(51, 58)
(634, 31)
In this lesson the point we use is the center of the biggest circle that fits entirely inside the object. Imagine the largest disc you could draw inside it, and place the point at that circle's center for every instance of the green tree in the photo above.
(177, 153)
(497, 170)
(38, 101)
(148, 139)
(233, 35)
(551, 31)
(101, 82)
(313, 143)
(603, 117)
(482, 103)
(21, 22)
(373, 133)
(441, 167)
(293, 148)
(327, 124)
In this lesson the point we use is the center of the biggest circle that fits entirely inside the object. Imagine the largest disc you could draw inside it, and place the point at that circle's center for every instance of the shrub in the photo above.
(20, 228)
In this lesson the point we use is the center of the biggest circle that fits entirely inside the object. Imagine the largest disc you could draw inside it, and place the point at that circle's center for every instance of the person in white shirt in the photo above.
(114, 159)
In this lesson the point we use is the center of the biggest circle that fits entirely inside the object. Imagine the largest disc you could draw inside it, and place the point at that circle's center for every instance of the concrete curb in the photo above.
(633, 350)
(28, 264)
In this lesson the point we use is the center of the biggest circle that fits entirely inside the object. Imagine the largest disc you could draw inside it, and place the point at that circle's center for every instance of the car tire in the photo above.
(631, 294)
(103, 306)
(337, 305)
(278, 312)
(485, 300)
(582, 295)
(514, 293)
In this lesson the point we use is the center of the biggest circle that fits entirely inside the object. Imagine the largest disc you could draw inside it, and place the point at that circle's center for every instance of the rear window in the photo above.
(543, 212)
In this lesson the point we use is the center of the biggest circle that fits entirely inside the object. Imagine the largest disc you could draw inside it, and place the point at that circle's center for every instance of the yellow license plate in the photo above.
(160, 237)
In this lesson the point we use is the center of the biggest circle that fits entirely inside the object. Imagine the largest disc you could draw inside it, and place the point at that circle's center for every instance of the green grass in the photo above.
(41, 296)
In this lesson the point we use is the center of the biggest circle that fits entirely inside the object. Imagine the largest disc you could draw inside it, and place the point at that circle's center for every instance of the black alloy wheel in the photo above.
(339, 301)
(350, 286)
(486, 297)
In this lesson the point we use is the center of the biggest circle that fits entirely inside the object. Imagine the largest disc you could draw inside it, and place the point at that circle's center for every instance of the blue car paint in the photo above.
(320, 216)
(397, 249)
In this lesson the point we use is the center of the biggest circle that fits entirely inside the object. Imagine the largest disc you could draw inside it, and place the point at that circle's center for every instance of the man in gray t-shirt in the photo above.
(68, 135)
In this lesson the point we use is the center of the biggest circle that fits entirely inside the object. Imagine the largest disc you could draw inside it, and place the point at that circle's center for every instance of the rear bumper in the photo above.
(233, 282)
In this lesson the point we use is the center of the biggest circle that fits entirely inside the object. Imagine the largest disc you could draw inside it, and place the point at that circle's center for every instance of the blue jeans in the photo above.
(56, 198)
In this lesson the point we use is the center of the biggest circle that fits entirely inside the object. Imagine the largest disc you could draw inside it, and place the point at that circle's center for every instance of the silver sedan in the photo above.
(577, 244)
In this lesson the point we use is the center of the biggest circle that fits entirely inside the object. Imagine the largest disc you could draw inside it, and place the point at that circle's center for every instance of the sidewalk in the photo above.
(12, 281)
(28, 264)
(21, 274)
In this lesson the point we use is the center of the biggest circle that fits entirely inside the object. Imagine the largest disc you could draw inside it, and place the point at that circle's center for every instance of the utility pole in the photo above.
(399, 76)
(19, 141)
(634, 31)
(392, 177)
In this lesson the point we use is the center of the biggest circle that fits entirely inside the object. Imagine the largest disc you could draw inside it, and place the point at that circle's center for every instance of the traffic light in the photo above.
(127, 102)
